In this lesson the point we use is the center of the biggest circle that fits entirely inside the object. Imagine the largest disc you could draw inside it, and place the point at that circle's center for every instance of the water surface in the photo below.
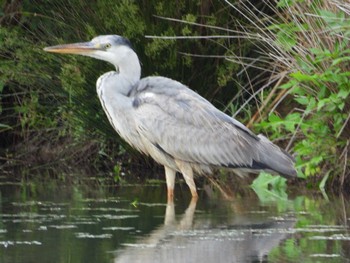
(52, 221)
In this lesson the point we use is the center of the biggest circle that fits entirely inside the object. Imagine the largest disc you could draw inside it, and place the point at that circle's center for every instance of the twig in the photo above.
(345, 153)
(217, 185)
(257, 116)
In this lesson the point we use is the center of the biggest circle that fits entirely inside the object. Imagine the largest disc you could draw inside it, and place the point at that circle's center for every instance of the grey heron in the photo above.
(177, 127)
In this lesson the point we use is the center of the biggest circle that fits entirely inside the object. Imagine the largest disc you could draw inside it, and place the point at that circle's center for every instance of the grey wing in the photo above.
(187, 127)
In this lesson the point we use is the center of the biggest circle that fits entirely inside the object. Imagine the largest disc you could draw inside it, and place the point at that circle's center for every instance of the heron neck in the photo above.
(129, 68)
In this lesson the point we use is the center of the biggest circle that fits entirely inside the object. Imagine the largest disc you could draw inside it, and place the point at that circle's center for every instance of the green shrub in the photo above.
(308, 46)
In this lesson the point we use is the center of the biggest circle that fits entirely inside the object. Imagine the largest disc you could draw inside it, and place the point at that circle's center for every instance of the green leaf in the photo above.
(341, 105)
(340, 60)
(274, 118)
(265, 180)
(324, 181)
(287, 85)
(284, 3)
(322, 103)
(302, 100)
(270, 188)
(291, 121)
(287, 40)
(343, 93)
(329, 16)
(303, 77)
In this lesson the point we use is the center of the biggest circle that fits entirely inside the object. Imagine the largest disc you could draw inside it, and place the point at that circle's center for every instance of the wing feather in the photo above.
(188, 127)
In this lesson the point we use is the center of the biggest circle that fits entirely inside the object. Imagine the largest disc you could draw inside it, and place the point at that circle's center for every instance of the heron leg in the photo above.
(170, 181)
(187, 173)
(187, 219)
(169, 218)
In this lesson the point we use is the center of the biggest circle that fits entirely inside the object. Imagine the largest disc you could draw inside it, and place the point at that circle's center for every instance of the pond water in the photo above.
(52, 221)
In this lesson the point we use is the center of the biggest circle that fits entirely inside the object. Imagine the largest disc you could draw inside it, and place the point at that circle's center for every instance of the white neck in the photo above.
(124, 59)
(129, 67)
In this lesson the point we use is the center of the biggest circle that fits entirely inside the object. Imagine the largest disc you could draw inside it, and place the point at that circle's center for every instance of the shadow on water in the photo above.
(88, 222)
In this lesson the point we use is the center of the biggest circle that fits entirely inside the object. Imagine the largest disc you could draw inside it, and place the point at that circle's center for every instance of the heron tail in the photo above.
(275, 159)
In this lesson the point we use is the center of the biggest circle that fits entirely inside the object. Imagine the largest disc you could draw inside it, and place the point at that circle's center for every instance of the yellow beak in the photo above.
(76, 48)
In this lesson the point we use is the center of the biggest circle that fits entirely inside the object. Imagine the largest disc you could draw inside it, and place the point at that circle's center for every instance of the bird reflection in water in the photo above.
(199, 238)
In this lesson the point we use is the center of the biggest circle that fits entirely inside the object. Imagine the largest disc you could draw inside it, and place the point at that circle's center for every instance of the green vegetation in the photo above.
(314, 39)
(282, 68)
(308, 48)
(270, 188)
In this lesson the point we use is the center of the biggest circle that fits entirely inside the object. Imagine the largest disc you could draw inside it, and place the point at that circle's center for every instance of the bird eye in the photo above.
(108, 45)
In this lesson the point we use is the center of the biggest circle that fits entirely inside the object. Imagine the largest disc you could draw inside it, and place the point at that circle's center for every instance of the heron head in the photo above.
(110, 48)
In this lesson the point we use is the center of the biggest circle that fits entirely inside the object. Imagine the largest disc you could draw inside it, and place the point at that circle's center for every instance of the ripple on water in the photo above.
(88, 235)
(332, 237)
(324, 255)
(13, 243)
(105, 209)
(115, 217)
(116, 228)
